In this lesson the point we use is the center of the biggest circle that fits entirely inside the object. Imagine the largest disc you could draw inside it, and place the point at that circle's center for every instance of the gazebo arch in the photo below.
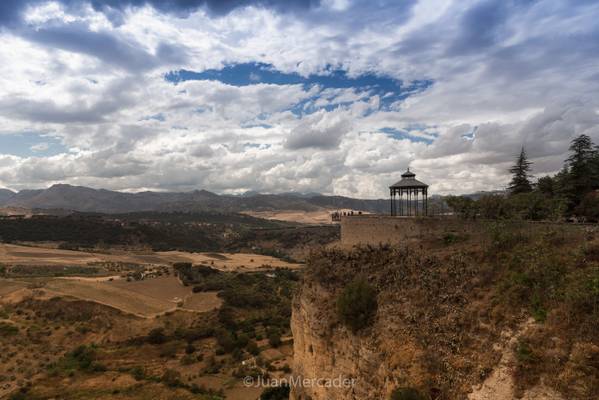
(409, 196)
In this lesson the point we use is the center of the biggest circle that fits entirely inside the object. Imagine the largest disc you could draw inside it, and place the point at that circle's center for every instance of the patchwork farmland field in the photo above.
(11, 254)
(132, 313)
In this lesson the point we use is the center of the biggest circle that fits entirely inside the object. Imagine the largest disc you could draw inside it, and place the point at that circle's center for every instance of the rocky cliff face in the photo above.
(439, 329)
(348, 366)
(417, 311)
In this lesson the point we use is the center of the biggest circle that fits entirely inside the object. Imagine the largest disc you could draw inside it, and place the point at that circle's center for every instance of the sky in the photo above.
(331, 96)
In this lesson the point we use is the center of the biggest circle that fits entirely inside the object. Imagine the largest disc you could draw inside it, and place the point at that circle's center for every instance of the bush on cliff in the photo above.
(357, 304)
(406, 394)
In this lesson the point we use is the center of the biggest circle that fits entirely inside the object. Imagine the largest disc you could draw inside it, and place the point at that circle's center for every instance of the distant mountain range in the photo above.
(84, 199)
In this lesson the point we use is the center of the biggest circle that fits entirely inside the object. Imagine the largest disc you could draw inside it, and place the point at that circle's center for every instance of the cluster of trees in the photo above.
(573, 192)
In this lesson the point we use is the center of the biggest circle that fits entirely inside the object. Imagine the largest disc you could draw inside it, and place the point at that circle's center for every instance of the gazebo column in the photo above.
(414, 205)
(401, 205)
(399, 202)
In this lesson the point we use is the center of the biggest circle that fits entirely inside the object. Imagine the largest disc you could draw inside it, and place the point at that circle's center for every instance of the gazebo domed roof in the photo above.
(408, 180)
(408, 174)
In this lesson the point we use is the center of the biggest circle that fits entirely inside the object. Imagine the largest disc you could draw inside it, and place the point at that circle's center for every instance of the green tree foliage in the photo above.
(546, 185)
(521, 175)
(83, 358)
(582, 167)
(464, 206)
(571, 192)
(492, 207)
(589, 207)
(357, 304)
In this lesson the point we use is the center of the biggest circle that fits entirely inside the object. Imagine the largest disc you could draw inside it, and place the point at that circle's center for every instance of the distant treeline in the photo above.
(572, 193)
(82, 232)
(208, 231)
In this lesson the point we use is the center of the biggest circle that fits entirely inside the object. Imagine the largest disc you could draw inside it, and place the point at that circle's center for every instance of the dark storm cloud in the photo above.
(11, 10)
(78, 38)
(115, 96)
(219, 7)
(481, 26)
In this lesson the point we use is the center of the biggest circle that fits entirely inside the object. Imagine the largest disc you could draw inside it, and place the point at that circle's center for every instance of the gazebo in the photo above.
(409, 196)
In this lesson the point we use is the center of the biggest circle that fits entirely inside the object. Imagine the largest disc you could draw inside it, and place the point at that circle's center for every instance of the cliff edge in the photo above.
(503, 318)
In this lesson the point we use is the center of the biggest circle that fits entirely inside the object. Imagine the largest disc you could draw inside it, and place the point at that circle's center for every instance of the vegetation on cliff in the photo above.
(452, 300)
(356, 305)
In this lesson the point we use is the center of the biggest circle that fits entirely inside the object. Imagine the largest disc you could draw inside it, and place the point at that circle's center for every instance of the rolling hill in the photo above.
(84, 199)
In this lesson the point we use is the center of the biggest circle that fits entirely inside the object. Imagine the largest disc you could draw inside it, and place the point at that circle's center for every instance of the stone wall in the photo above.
(375, 229)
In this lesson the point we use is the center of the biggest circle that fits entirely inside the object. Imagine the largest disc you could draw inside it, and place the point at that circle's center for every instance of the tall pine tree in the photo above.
(582, 173)
(520, 175)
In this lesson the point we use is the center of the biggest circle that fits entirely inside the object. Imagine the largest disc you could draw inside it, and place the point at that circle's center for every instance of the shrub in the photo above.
(525, 354)
(452, 238)
(20, 395)
(253, 348)
(190, 348)
(83, 358)
(197, 333)
(138, 373)
(156, 336)
(171, 378)
(212, 365)
(242, 340)
(357, 304)
(274, 338)
(276, 393)
(503, 237)
(225, 340)
(7, 329)
(237, 354)
(582, 290)
(188, 359)
(407, 394)
(168, 350)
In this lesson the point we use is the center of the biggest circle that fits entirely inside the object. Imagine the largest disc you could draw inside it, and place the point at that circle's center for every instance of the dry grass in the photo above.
(103, 293)
(202, 302)
(231, 262)
(146, 298)
(30, 255)
(8, 286)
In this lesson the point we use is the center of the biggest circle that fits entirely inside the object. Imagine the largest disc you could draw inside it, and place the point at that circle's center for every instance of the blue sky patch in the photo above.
(471, 135)
(400, 134)
(30, 144)
(156, 117)
(366, 86)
